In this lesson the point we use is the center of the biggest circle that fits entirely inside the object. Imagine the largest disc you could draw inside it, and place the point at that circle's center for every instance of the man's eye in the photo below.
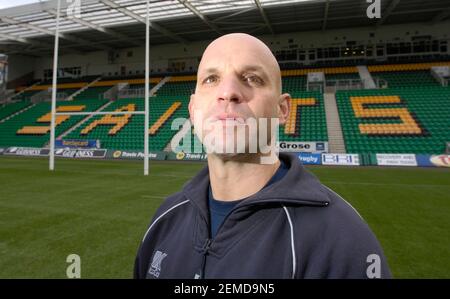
(210, 79)
(253, 79)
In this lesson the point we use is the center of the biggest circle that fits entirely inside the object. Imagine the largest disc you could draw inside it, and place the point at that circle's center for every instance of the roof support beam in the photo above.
(202, 17)
(96, 27)
(15, 38)
(50, 32)
(142, 20)
(385, 14)
(24, 40)
(264, 16)
(233, 14)
(440, 16)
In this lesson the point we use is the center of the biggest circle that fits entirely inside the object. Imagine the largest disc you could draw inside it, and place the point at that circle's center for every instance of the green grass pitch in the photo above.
(101, 209)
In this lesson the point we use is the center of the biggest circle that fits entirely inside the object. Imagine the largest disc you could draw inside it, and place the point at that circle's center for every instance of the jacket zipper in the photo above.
(246, 206)
(208, 241)
(205, 249)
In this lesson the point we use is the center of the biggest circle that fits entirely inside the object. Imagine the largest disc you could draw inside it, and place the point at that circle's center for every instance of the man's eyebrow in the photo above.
(245, 68)
(253, 68)
(209, 70)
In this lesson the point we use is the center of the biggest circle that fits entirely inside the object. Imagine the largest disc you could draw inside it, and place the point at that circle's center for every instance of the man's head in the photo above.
(238, 80)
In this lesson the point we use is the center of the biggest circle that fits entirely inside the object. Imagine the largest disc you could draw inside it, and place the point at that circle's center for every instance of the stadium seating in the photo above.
(407, 79)
(38, 117)
(326, 70)
(307, 121)
(396, 120)
(25, 96)
(126, 131)
(177, 88)
(92, 93)
(170, 102)
(411, 116)
(406, 67)
(345, 76)
(11, 108)
(293, 83)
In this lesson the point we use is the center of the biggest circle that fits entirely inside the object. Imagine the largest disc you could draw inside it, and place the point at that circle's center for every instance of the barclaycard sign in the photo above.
(75, 143)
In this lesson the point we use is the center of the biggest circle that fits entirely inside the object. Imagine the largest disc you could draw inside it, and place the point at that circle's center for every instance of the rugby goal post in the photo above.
(146, 95)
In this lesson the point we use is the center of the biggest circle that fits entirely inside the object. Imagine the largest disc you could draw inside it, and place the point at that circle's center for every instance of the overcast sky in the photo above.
(11, 3)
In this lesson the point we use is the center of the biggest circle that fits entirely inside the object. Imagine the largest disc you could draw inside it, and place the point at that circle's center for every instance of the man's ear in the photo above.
(191, 107)
(285, 106)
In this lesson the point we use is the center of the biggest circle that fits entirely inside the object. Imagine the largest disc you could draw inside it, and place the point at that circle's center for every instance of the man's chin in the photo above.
(226, 156)
(242, 157)
(222, 153)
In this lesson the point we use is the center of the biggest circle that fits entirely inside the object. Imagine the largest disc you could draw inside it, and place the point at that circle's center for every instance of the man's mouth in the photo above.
(231, 119)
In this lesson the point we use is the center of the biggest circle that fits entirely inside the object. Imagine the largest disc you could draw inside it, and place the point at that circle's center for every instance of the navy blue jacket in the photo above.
(294, 228)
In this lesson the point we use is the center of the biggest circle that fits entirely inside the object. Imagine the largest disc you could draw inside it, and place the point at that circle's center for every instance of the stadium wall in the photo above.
(20, 65)
(112, 63)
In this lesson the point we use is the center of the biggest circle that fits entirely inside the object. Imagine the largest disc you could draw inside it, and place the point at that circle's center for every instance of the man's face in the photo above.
(238, 83)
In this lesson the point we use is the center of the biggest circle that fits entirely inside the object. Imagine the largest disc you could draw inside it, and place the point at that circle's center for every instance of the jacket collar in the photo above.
(297, 187)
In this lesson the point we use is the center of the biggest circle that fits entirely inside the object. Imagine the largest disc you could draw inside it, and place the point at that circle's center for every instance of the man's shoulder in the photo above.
(171, 202)
(339, 234)
(337, 218)
(340, 208)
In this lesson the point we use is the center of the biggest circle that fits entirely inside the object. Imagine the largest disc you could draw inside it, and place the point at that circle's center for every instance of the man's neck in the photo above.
(238, 177)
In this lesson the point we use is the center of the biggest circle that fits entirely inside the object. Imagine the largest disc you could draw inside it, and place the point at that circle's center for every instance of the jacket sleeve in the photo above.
(356, 253)
(145, 248)
(136, 274)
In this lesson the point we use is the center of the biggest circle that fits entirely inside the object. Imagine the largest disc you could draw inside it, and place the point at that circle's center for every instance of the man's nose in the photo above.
(230, 90)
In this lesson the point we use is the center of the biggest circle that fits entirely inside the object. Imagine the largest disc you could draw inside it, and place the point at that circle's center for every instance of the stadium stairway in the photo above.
(79, 91)
(366, 77)
(18, 112)
(336, 142)
(8, 109)
(23, 91)
(159, 85)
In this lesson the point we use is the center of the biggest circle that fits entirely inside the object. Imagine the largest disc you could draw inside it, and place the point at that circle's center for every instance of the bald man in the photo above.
(252, 213)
